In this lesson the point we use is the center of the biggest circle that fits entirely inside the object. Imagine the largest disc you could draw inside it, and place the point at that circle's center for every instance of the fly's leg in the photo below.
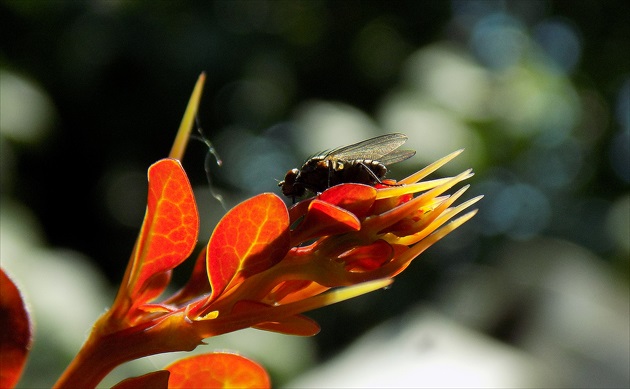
(330, 172)
(374, 176)
(370, 172)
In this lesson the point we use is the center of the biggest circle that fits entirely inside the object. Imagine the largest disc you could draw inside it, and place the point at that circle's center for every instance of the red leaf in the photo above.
(299, 210)
(355, 198)
(322, 219)
(170, 227)
(252, 237)
(15, 337)
(153, 380)
(364, 258)
(217, 370)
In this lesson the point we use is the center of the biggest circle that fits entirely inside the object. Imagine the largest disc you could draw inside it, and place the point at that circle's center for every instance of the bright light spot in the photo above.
(450, 78)
(432, 131)
(27, 112)
(532, 101)
(326, 125)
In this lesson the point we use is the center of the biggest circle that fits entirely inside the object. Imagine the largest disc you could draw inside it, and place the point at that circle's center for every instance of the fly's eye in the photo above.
(289, 178)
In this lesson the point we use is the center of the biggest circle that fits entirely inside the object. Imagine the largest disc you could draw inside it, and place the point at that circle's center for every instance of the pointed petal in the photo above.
(431, 168)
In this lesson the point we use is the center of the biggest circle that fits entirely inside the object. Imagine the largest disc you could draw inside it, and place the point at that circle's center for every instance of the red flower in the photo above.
(263, 266)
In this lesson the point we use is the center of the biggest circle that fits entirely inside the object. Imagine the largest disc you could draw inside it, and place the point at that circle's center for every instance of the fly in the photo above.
(362, 163)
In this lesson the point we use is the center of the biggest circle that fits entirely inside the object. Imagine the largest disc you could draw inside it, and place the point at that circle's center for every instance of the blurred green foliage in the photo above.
(538, 92)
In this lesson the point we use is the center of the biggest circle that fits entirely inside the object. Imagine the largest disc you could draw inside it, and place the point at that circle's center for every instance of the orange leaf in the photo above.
(170, 227)
(323, 218)
(309, 290)
(286, 288)
(153, 380)
(217, 370)
(250, 238)
(15, 337)
(355, 198)
(299, 210)
(370, 257)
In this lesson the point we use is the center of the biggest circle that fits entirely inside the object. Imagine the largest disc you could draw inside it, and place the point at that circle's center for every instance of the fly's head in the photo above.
(290, 187)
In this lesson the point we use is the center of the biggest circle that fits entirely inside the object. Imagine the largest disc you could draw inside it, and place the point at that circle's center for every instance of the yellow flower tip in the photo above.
(346, 293)
(426, 218)
(430, 168)
(209, 316)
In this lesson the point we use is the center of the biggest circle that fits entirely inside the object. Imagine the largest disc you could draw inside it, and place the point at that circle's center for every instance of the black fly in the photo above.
(363, 163)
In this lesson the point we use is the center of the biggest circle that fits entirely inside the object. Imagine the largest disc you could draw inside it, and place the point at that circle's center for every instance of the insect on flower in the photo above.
(362, 163)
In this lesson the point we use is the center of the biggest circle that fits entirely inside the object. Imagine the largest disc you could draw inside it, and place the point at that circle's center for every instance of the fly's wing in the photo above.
(396, 156)
(373, 149)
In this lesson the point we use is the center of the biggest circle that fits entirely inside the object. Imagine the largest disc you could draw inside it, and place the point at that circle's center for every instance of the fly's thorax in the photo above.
(314, 163)
(336, 165)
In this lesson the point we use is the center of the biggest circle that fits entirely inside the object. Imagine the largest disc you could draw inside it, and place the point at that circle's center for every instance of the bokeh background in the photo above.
(532, 292)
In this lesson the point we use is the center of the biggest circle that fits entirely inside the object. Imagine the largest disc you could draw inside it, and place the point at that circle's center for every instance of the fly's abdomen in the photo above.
(360, 171)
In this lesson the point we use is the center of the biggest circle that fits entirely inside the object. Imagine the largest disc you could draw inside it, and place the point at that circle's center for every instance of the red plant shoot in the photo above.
(263, 266)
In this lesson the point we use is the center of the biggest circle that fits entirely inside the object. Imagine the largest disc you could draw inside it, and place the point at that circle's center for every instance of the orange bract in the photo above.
(218, 370)
(252, 237)
(170, 227)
